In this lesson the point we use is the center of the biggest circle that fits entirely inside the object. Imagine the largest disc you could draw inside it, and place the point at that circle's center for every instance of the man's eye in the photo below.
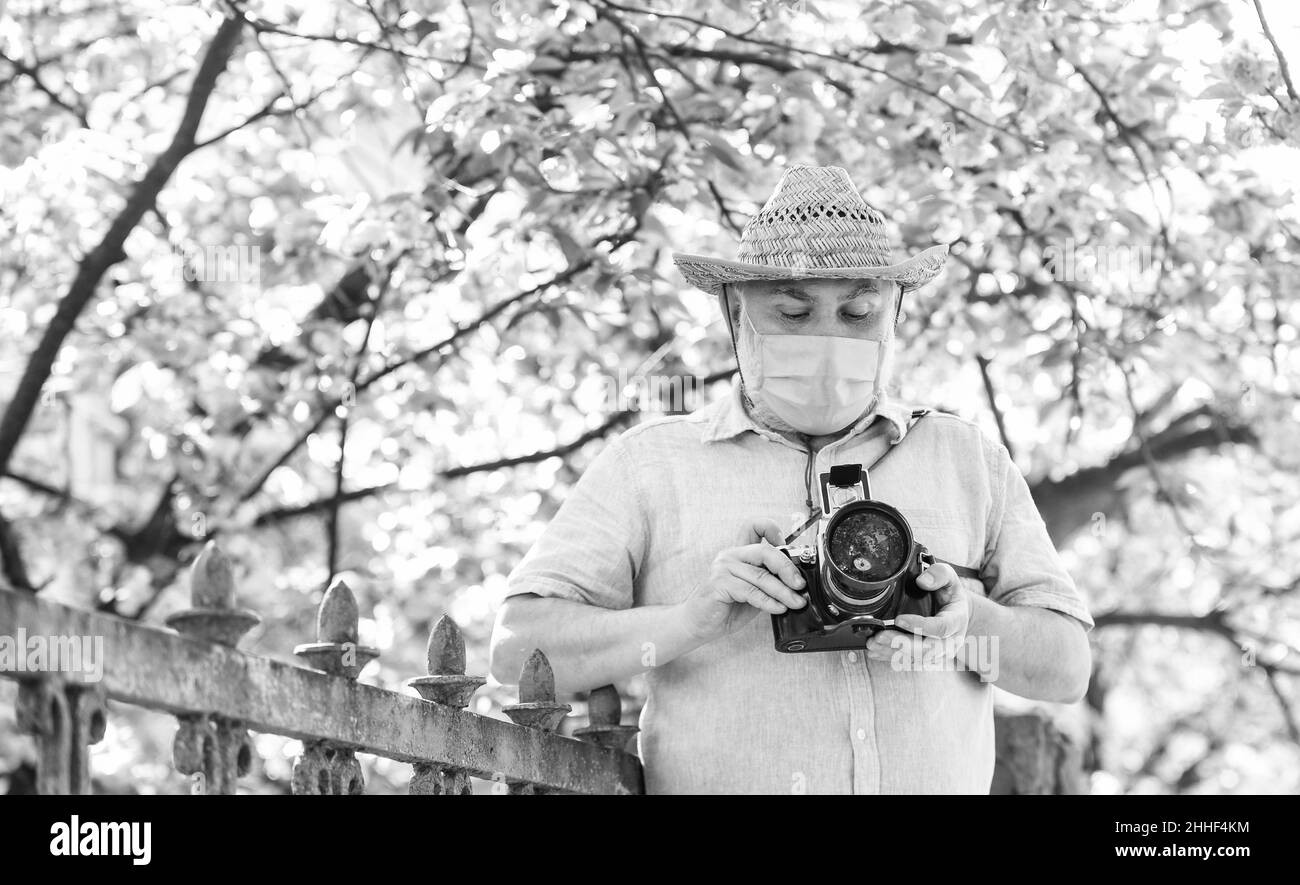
(794, 316)
(858, 317)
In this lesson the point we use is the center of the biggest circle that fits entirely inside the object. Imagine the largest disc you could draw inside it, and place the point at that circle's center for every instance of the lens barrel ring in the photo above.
(867, 550)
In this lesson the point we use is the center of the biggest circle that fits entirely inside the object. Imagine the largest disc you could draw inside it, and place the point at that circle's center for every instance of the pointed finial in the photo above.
(537, 680)
(604, 710)
(212, 580)
(604, 706)
(446, 683)
(446, 649)
(337, 619)
(337, 649)
(212, 614)
(537, 707)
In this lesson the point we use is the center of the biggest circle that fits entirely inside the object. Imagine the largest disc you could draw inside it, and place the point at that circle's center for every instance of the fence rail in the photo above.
(218, 693)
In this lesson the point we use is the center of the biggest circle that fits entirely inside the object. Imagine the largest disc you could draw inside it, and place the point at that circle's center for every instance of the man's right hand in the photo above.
(742, 582)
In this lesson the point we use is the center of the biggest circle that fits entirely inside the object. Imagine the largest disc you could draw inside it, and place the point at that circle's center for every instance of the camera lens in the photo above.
(867, 544)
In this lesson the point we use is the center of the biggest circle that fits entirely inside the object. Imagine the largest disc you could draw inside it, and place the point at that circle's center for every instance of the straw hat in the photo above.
(815, 225)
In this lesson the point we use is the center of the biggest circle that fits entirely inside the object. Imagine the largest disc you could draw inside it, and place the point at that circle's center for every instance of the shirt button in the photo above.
(862, 734)
(853, 657)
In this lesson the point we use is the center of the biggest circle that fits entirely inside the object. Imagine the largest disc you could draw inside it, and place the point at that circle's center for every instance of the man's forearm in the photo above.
(1041, 654)
(586, 646)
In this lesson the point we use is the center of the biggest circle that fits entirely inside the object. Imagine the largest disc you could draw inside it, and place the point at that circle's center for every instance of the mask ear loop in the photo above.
(731, 331)
(880, 358)
(726, 315)
(735, 347)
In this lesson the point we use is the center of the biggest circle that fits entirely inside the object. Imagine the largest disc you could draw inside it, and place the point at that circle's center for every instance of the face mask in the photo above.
(817, 384)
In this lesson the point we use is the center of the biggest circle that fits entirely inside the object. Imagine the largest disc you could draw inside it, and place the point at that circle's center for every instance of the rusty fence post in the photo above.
(215, 751)
(448, 685)
(1034, 756)
(537, 707)
(326, 768)
(65, 719)
(604, 710)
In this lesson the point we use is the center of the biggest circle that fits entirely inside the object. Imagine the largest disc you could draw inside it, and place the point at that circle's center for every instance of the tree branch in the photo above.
(33, 73)
(1277, 50)
(1214, 622)
(786, 47)
(109, 251)
(1067, 504)
(332, 523)
(983, 362)
(615, 420)
(14, 570)
(326, 405)
(1283, 702)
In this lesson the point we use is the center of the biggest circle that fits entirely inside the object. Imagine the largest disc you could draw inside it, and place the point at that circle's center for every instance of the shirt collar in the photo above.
(730, 418)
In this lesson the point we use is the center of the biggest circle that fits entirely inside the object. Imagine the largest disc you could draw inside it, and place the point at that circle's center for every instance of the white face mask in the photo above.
(817, 384)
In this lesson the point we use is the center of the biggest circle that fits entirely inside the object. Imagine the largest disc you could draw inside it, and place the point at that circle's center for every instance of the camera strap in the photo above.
(962, 571)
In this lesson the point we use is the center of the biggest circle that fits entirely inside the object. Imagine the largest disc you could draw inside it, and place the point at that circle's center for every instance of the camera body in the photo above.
(860, 572)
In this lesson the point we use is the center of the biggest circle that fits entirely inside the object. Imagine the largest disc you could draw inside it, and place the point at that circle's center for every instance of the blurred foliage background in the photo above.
(455, 221)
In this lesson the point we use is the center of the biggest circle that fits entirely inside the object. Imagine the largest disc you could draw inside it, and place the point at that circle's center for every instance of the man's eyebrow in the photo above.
(870, 288)
(792, 292)
(799, 294)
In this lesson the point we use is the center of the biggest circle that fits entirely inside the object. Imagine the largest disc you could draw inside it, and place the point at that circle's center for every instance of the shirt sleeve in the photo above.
(593, 548)
(1019, 558)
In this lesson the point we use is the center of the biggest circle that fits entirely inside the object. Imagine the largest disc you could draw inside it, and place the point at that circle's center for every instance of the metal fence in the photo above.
(195, 671)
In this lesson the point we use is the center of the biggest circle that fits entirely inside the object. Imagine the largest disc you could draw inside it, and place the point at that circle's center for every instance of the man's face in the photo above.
(842, 308)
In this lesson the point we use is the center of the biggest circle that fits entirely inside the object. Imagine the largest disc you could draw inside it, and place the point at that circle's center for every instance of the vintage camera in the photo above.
(860, 572)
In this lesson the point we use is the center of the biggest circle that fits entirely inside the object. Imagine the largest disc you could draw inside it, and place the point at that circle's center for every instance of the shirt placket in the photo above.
(858, 687)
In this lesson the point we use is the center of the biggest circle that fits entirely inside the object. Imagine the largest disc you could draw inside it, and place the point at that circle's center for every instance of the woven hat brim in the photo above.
(708, 273)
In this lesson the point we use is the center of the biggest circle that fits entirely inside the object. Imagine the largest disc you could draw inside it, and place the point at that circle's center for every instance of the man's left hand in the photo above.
(930, 640)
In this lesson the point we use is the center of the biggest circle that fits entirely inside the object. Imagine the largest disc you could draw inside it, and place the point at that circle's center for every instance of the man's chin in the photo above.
(866, 413)
(769, 419)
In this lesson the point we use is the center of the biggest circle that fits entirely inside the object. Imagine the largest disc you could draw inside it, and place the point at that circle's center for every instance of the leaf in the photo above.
(600, 285)
(724, 153)
(812, 10)
(976, 81)
(928, 9)
(548, 64)
(985, 30)
(573, 253)
(1132, 221)
(1220, 91)
(423, 28)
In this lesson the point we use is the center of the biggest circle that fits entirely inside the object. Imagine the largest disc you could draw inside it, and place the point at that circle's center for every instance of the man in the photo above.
(664, 553)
